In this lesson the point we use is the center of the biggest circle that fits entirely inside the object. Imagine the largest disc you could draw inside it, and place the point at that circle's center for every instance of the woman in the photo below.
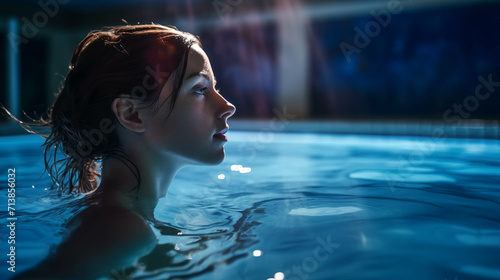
(142, 100)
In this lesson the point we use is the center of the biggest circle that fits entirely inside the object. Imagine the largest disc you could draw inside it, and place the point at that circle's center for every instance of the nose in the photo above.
(226, 110)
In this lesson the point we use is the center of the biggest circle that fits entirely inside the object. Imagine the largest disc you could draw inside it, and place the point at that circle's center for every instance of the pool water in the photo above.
(298, 206)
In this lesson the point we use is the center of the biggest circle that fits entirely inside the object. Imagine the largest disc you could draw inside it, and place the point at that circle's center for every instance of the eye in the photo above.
(200, 91)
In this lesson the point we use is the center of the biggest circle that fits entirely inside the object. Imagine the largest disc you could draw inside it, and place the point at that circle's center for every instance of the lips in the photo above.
(220, 135)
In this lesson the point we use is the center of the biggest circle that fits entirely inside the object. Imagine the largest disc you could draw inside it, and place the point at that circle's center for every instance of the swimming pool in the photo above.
(298, 206)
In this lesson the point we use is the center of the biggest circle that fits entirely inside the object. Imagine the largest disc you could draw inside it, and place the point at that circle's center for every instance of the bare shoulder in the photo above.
(112, 219)
(113, 228)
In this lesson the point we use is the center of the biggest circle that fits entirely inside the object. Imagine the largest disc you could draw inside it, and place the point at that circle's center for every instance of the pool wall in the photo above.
(480, 129)
(476, 128)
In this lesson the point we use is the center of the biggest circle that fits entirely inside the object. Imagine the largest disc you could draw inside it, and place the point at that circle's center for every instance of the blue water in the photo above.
(298, 206)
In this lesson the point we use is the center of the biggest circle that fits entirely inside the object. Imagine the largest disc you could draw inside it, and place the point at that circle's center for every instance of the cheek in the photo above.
(193, 123)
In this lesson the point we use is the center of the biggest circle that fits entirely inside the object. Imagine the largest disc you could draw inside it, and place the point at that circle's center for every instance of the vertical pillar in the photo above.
(293, 58)
(13, 85)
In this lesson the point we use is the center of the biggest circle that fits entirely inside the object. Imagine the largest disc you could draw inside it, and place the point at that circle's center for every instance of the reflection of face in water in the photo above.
(208, 238)
(191, 217)
(193, 130)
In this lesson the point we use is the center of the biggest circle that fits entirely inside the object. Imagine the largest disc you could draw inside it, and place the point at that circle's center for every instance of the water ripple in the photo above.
(396, 176)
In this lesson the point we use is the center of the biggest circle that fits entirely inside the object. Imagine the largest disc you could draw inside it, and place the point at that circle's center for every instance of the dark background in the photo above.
(424, 61)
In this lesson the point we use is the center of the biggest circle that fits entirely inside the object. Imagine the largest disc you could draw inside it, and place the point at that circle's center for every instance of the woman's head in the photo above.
(193, 130)
(123, 86)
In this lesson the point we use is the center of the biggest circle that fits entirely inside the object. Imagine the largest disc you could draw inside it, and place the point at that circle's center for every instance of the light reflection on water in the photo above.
(315, 206)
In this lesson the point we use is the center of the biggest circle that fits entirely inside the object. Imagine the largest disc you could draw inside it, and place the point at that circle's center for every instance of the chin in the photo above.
(217, 159)
(213, 159)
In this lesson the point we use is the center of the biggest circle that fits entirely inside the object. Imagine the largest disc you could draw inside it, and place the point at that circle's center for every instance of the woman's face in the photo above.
(194, 131)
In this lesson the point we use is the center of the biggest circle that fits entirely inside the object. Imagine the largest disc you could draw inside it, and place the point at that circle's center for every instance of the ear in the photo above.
(127, 114)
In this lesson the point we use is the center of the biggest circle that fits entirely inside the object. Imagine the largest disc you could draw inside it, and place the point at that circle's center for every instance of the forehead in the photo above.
(197, 62)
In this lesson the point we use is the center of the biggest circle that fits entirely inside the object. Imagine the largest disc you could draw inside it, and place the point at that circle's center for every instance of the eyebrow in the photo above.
(201, 74)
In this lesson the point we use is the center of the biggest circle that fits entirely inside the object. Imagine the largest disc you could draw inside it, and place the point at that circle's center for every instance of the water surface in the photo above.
(299, 206)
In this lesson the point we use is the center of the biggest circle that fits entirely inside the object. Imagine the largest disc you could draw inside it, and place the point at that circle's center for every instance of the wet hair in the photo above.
(132, 61)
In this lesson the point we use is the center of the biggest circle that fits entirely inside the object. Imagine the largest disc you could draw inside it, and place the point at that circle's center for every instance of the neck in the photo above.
(120, 185)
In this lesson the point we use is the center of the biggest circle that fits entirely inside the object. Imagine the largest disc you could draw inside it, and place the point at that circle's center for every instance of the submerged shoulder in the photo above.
(101, 239)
